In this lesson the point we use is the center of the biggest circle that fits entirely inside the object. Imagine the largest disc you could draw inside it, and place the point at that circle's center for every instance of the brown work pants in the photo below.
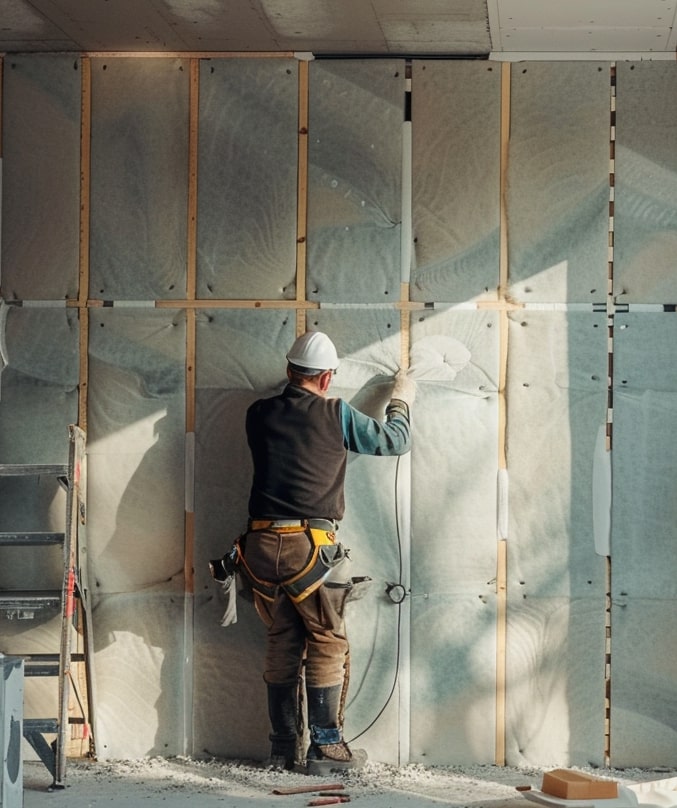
(313, 629)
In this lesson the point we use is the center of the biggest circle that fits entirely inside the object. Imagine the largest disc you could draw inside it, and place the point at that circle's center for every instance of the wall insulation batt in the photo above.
(170, 224)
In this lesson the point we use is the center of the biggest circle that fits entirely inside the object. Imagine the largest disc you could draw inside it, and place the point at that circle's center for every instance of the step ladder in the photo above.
(69, 661)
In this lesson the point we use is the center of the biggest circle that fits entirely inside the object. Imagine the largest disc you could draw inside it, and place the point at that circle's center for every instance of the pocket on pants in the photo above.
(341, 592)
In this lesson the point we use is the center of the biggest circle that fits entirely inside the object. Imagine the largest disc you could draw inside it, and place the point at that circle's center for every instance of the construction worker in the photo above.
(299, 442)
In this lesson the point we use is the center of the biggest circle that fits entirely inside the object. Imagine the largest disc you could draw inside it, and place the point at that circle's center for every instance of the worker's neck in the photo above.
(319, 385)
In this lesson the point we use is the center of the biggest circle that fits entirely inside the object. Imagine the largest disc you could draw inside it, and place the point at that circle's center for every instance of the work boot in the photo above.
(282, 706)
(328, 750)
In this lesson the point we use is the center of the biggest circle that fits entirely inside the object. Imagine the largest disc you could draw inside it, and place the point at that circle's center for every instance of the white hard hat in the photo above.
(313, 351)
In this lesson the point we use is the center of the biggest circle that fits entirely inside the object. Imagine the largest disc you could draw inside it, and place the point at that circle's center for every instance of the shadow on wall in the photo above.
(136, 538)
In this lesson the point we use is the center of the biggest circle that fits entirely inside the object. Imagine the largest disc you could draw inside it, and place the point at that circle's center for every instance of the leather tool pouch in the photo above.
(325, 556)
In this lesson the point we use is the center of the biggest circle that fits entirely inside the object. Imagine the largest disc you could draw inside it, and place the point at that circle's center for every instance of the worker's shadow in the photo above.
(136, 571)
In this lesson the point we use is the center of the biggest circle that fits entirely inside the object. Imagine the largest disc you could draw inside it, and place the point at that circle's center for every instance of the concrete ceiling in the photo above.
(500, 28)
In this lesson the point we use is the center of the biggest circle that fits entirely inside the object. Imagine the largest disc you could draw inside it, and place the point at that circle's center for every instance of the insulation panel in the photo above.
(38, 387)
(354, 180)
(558, 182)
(645, 243)
(454, 358)
(136, 448)
(41, 176)
(139, 178)
(644, 594)
(247, 178)
(557, 366)
(456, 150)
(140, 672)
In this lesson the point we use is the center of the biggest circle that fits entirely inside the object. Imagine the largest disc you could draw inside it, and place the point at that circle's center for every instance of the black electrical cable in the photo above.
(399, 615)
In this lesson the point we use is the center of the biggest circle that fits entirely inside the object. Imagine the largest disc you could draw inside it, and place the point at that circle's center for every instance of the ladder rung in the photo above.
(76, 656)
(40, 725)
(46, 664)
(45, 669)
(28, 658)
(61, 663)
(41, 665)
(33, 538)
(30, 600)
(33, 470)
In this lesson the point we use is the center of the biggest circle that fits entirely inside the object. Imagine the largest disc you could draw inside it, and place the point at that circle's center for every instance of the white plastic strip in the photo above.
(465, 306)
(358, 305)
(558, 306)
(404, 673)
(43, 304)
(130, 304)
(188, 672)
(581, 56)
(4, 355)
(650, 307)
(502, 504)
(601, 495)
(188, 610)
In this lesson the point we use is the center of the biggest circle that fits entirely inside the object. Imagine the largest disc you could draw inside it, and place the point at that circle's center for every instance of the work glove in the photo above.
(404, 388)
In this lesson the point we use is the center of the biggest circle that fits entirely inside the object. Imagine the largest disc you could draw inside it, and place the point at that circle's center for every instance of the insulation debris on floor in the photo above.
(170, 783)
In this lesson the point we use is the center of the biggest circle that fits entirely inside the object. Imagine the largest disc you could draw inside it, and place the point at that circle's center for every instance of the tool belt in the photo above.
(325, 554)
(294, 525)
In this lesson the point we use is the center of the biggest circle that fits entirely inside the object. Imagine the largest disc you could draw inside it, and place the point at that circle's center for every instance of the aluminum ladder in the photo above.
(71, 657)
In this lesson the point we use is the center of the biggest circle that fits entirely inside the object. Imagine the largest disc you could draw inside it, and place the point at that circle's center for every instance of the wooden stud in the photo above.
(190, 385)
(85, 176)
(83, 388)
(191, 257)
(502, 547)
(191, 340)
(302, 195)
(190, 370)
(505, 144)
(190, 54)
(405, 327)
(225, 304)
(84, 235)
(609, 423)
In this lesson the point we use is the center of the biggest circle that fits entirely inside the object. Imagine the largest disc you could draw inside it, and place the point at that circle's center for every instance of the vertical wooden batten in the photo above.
(403, 478)
(608, 567)
(187, 739)
(85, 208)
(302, 195)
(191, 284)
(501, 549)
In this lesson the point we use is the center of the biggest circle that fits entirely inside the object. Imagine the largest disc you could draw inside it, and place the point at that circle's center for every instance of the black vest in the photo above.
(299, 456)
